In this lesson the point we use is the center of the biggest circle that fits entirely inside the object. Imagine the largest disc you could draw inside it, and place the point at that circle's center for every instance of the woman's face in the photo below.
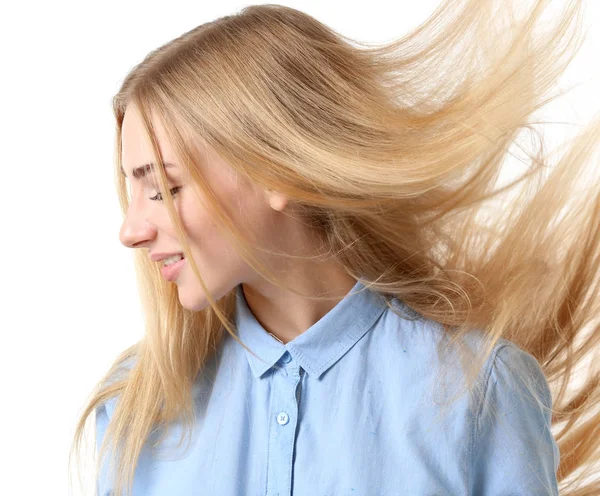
(147, 223)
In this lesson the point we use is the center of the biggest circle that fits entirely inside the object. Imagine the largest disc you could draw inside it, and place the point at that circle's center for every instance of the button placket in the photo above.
(282, 430)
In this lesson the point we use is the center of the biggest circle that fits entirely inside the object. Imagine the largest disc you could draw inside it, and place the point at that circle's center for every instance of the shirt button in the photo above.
(286, 358)
(283, 418)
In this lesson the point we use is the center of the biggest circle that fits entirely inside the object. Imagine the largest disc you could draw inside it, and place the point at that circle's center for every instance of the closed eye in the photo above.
(158, 196)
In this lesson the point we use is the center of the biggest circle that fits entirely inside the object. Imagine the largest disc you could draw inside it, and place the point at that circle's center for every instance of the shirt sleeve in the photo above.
(101, 425)
(102, 419)
(514, 450)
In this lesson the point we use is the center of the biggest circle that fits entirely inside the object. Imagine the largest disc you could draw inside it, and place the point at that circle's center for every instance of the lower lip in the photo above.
(171, 272)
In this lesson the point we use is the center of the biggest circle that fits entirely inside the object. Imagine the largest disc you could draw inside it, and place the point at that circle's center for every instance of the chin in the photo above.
(195, 305)
(192, 296)
(193, 302)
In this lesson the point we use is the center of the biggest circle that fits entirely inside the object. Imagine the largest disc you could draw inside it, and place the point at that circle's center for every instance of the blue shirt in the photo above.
(349, 407)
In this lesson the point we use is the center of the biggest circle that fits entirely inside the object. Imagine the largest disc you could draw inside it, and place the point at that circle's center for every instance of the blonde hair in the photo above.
(393, 153)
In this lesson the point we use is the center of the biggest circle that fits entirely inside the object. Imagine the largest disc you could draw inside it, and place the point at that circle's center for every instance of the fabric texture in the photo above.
(351, 407)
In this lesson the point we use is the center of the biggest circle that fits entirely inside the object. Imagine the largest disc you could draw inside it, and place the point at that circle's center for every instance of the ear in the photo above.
(278, 201)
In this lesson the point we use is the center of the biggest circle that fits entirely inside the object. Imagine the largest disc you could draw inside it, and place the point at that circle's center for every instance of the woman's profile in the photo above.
(340, 296)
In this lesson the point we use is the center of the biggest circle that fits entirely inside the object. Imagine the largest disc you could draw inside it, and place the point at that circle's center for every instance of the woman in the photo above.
(334, 303)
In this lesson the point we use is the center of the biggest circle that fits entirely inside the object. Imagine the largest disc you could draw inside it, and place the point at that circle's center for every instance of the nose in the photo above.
(136, 231)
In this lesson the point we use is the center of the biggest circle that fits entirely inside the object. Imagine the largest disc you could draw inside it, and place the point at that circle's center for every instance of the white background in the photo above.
(69, 302)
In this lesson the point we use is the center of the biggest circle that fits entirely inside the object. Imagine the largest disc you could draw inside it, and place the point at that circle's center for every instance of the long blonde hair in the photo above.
(393, 152)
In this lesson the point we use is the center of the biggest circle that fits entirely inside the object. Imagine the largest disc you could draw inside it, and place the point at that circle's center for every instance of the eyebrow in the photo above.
(144, 170)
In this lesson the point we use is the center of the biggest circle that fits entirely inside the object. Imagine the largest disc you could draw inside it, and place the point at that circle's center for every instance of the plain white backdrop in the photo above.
(69, 300)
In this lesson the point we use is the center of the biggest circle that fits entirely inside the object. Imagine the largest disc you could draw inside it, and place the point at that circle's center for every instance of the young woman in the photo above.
(336, 301)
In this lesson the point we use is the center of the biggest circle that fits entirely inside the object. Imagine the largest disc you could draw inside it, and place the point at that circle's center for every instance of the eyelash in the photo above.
(173, 191)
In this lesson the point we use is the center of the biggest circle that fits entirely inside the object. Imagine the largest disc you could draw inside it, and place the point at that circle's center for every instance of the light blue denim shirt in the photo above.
(349, 408)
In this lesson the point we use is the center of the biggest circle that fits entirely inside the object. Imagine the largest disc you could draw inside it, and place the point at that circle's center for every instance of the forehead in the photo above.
(138, 161)
(136, 149)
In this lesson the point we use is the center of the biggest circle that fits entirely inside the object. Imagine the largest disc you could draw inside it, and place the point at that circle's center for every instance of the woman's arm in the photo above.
(514, 451)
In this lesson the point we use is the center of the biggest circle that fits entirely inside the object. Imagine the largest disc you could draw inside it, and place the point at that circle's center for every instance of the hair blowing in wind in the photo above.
(393, 154)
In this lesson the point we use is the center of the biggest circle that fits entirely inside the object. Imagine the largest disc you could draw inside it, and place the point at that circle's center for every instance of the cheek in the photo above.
(202, 231)
(249, 213)
(198, 225)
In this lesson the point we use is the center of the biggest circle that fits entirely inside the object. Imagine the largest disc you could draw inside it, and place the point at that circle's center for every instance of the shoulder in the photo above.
(406, 337)
(407, 326)
(409, 339)
(120, 372)
(509, 364)
(508, 419)
(513, 378)
(512, 428)
(401, 324)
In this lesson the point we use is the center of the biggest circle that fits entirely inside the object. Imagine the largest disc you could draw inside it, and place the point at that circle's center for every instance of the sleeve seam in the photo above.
(486, 388)
(481, 401)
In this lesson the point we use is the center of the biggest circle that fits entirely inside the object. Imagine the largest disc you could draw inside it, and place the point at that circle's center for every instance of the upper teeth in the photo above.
(173, 259)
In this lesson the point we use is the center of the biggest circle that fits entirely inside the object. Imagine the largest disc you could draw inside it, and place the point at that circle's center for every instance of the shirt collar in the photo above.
(320, 346)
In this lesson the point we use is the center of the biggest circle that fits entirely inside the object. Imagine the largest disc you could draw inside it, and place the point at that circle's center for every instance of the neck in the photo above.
(285, 315)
